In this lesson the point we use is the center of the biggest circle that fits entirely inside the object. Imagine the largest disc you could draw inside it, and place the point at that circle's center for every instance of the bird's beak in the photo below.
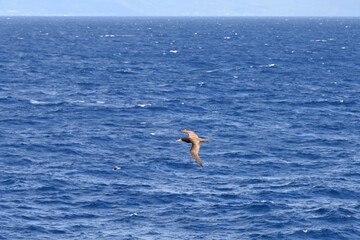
(180, 140)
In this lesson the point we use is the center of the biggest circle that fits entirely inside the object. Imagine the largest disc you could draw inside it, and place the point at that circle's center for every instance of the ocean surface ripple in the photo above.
(279, 96)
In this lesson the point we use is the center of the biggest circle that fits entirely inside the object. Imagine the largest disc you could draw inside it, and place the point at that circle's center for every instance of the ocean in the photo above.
(279, 97)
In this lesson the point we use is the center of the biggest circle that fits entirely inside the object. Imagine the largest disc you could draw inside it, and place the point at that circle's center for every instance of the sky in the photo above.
(180, 8)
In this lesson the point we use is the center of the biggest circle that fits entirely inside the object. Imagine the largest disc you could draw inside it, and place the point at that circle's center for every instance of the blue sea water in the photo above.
(279, 96)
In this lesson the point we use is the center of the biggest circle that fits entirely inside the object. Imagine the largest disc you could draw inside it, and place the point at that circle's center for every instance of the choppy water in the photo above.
(280, 98)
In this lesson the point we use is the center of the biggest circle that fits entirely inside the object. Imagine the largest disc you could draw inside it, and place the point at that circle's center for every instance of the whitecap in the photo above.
(144, 105)
(79, 101)
(152, 134)
(306, 230)
(127, 70)
(227, 37)
(211, 71)
(173, 51)
(100, 102)
(36, 102)
(269, 65)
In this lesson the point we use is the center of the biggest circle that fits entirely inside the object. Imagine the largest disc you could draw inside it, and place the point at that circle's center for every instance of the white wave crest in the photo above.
(269, 65)
(144, 105)
(37, 102)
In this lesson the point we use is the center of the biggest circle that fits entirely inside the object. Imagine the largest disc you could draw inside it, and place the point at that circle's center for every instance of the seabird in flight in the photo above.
(195, 140)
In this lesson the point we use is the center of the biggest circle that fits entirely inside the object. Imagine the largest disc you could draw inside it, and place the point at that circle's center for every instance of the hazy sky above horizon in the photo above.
(180, 7)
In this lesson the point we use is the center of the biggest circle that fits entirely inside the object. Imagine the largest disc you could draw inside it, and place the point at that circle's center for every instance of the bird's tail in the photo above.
(204, 140)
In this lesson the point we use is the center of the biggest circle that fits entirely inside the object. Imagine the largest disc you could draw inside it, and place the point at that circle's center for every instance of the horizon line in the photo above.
(180, 16)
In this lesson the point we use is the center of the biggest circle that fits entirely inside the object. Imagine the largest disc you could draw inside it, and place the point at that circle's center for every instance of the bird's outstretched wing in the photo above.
(191, 133)
(195, 152)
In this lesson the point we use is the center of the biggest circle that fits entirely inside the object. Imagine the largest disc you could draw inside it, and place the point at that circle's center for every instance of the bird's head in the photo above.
(184, 140)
